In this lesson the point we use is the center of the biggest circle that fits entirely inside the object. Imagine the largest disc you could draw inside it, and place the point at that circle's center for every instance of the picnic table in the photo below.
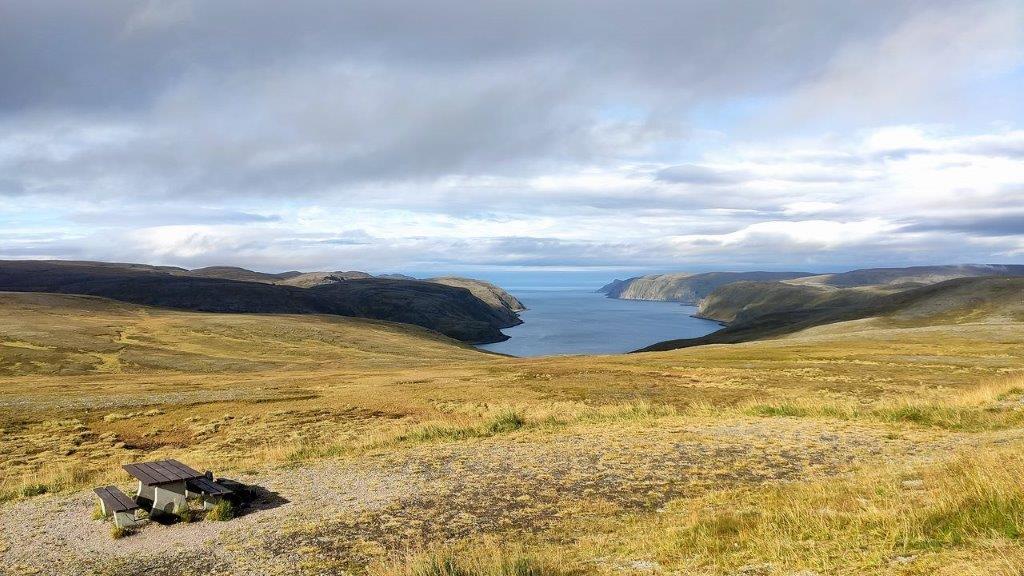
(169, 483)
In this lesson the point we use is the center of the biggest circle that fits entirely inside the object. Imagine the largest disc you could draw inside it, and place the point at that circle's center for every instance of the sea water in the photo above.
(584, 322)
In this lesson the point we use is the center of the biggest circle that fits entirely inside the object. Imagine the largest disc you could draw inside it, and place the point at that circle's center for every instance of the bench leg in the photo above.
(210, 501)
(169, 498)
(147, 492)
(125, 520)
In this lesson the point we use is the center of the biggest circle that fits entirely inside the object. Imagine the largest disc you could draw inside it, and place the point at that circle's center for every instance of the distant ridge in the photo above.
(759, 310)
(451, 310)
(690, 288)
(684, 287)
(235, 273)
(909, 276)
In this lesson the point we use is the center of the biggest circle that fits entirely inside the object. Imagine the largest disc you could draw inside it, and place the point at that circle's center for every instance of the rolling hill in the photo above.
(840, 447)
(691, 288)
(907, 277)
(764, 310)
(501, 302)
(450, 310)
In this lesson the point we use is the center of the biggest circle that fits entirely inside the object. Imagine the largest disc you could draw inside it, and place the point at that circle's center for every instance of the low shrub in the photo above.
(221, 511)
(33, 490)
(185, 514)
(505, 422)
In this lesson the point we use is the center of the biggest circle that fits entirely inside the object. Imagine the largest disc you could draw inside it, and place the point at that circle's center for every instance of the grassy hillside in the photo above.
(743, 301)
(311, 279)
(766, 310)
(883, 445)
(80, 335)
(452, 311)
(908, 277)
(242, 274)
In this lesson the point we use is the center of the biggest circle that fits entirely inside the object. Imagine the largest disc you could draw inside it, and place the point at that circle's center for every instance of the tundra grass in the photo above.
(857, 448)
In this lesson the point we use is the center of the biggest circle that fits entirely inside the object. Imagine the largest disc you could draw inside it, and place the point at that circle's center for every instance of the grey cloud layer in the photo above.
(527, 133)
(115, 52)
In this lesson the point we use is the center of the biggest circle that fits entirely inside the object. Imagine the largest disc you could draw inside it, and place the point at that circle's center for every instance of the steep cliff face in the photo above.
(684, 287)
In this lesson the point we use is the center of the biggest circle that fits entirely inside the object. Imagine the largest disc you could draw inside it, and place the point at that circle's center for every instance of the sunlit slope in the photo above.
(770, 310)
(594, 457)
(907, 277)
(64, 334)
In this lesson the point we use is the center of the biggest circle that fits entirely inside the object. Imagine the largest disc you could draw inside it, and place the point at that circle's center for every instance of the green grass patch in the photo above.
(959, 418)
(507, 421)
(978, 516)
(946, 417)
(221, 511)
(503, 423)
(30, 490)
(185, 514)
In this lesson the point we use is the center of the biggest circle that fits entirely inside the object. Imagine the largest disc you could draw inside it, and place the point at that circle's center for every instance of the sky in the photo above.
(587, 137)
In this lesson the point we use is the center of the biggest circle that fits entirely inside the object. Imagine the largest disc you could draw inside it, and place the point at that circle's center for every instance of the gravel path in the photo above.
(327, 517)
(57, 535)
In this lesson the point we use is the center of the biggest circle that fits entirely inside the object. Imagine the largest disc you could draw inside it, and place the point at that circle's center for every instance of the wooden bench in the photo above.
(113, 501)
(210, 491)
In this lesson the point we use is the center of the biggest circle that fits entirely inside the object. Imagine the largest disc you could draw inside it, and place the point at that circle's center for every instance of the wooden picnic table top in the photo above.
(116, 500)
(161, 472)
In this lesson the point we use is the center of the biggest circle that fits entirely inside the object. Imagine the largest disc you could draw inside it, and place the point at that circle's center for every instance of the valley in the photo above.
(888, 443)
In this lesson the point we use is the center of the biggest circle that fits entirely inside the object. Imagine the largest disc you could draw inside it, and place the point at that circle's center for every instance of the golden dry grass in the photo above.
(804, 444)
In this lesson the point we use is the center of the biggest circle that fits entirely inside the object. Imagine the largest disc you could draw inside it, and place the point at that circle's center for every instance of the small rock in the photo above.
(913, 484)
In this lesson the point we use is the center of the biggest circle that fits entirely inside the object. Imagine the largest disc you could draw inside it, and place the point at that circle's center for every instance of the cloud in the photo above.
(990, 225)
(168, 215)
(921, 65)
(398, 135)
(692, 174)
